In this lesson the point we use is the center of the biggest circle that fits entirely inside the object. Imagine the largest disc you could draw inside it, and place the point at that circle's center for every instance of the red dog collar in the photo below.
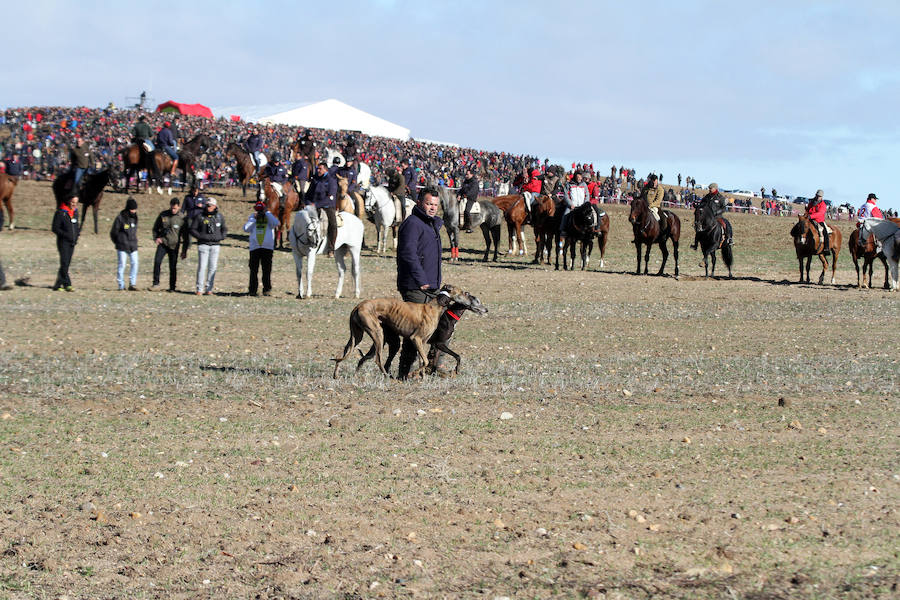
(453, 315)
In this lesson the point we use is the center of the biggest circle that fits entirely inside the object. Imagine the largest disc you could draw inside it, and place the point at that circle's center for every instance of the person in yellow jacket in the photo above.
(654, 194)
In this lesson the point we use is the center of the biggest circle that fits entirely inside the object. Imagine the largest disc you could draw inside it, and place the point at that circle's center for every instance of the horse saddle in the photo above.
(476, 210)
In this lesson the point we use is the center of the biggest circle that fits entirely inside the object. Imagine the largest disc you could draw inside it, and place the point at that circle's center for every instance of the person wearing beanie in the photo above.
(209, 229)
(124, 236)
(167, 233)
(261, 226)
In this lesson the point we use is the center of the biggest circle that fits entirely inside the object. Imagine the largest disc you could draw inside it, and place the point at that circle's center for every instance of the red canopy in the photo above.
(185, 109)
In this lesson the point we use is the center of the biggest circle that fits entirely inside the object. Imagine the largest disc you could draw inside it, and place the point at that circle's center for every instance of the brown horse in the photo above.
(646, 231)
(808, 244)
(305, 148)
(282, 208)
(7, 187)
(513, 207)
(868, 254)
(245, 168)
(545, 219)
(135, 160)
(161, 162)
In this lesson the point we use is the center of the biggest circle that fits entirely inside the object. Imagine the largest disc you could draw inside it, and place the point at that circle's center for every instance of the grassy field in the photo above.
(664, 438)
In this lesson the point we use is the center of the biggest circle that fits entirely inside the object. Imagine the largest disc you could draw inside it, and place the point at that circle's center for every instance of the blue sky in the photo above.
(792, 95)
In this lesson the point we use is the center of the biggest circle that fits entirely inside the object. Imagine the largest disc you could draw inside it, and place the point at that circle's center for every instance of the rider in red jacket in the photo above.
(815, 210)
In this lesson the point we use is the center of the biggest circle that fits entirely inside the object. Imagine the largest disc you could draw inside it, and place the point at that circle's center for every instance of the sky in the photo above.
(795, 95)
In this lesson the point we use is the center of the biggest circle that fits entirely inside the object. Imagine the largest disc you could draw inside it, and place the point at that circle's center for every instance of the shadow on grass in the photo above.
(247, 370)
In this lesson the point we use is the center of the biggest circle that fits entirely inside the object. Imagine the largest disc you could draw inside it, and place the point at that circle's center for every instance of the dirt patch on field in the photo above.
(663, 438)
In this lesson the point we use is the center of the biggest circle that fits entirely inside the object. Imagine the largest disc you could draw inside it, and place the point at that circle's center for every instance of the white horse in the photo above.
(380, 206)
(331, 154)
(307, 239)
(888, 235)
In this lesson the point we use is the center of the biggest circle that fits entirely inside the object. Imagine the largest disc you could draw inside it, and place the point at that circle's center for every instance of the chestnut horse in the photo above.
(808, 244)
(245, 168)
(545, 217)
(7, 187)
(646, 231)
(868, 254)
(513, 207)
(135, 160)
(282, 208)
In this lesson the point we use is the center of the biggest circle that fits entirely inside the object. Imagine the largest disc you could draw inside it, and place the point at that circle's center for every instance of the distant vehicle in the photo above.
(800, 200)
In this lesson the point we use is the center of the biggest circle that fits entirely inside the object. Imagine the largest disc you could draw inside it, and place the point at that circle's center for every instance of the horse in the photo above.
(307, 240)
(490, 219)
(90, 194)
(380, 207)
(515, 213)
(868, 253)
(161, 163)
(807, 244)
(646, 231)
(305, 148)
(887, 231)
(245, 167)
(450, 209)
(282, 208)
(711, 235)
(7, 187)
(134, 160)
(190, 153)
(545, 219)
(582, 225)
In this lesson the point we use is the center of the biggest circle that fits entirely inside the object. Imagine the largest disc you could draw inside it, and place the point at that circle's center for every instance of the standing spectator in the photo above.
(321, 193)
(418, 261)
(167, 233)
(65, 226)
(261, 226)
(3, 285)
(679, 180)
(194, 206)
(124, 235)
(79, 161)
(210, 230)
(468, 191)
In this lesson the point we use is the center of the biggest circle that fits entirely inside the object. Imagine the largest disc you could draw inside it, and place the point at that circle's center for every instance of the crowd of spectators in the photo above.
(35, 142)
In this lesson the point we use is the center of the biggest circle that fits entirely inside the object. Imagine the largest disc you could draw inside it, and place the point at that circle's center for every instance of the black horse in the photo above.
(90, 194)
(188, 157)
(578, 226)
(713, 233)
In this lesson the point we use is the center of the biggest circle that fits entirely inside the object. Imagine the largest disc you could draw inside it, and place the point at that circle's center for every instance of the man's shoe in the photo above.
(132, 288)
(208, 293)
(267, 293)
(252, 294)
(154, 287)
(5, 287)
(199, 293)
(69, 288)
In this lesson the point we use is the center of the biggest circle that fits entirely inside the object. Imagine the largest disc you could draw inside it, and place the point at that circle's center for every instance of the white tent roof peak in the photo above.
(334, 114)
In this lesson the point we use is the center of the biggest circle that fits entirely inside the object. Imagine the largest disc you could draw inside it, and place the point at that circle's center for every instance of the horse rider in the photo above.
(532, 187)
(815, 210)
(300, 175)
(717, 203)
(409, 177)
(576, 195)
(254, 144)
(654, 195)
(142, 134)
(867, 211)
(348, 172)
(165, 140)
(469, 191)
(277, 175)
(80, 160)
(321, 193)
(350, 149)
(304, 143)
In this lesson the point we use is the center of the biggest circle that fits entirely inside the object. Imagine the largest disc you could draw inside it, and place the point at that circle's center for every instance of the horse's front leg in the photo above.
(637, 246)
(824, 260)
(521, 238)
(665, 256)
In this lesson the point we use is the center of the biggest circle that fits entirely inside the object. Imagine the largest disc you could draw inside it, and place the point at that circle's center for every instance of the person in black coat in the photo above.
(469, 191)
(123, 234)
(322, 193)
(418, 261)
(65, 226)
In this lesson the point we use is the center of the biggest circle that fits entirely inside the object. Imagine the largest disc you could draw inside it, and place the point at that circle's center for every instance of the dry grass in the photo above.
(169, 446)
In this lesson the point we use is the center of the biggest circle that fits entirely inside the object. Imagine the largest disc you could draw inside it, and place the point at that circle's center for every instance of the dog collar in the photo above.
(453, 315)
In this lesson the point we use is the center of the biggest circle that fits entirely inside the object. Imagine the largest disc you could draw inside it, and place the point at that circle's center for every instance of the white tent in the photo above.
(334, 114)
